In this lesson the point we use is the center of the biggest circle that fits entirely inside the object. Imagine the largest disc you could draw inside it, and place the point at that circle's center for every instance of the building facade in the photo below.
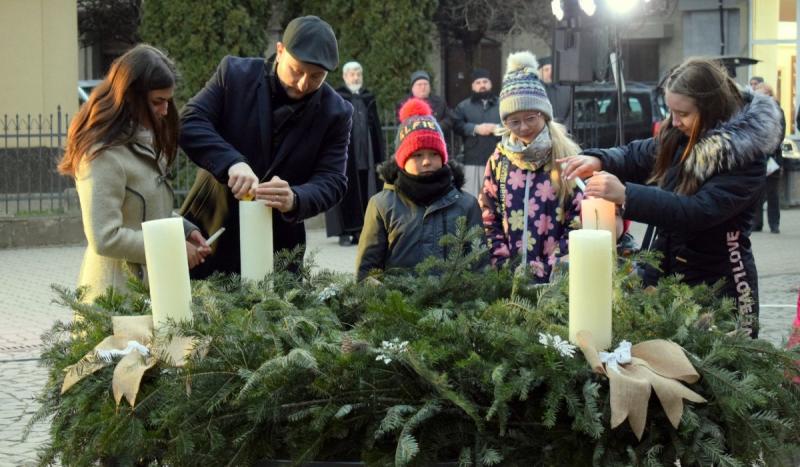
(774, 42)
(39, 56)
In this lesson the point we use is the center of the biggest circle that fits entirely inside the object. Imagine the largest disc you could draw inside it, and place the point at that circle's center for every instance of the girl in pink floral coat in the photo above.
(524, 200)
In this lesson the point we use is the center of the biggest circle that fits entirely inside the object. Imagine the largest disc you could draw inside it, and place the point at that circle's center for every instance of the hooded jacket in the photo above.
(704, 235)
(398, 233)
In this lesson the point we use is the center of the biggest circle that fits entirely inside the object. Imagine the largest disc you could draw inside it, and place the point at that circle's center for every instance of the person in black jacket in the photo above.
(421, 89)
(269, 129)
(421, 200)
(364, 153)
(559, 95)
(770, 196)
(697, 181)
(475, 119)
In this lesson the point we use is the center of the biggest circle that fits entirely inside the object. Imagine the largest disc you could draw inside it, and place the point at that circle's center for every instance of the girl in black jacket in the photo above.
(696, 182)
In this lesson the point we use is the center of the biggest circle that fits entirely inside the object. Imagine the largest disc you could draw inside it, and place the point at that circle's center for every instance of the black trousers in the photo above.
(771, 197)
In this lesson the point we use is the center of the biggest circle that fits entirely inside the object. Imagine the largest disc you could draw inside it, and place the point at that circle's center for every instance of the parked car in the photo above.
(85, 87)
(791, 148)
(596, 113)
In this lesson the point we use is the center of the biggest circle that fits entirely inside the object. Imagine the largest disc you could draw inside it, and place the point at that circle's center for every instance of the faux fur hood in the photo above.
(747, 136)
(388, 171)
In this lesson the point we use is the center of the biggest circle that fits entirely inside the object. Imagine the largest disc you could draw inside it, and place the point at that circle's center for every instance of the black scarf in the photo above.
(425, 189)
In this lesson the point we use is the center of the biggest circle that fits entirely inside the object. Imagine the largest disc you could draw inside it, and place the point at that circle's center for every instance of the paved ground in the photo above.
(27, 311)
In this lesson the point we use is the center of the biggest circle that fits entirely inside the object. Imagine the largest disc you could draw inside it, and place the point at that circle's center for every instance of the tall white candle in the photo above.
(167, 270)
(599, 214)
(255, 239)
(590, 269)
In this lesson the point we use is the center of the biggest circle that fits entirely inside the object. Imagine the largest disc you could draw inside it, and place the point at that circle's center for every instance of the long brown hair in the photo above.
(717, 99)
(118, 106)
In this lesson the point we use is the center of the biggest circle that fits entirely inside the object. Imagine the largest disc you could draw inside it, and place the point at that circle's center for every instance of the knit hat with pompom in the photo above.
(418, 130)
(522, 89)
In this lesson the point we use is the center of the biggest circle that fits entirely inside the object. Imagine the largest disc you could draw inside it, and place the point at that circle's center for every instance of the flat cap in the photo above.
(311, 40)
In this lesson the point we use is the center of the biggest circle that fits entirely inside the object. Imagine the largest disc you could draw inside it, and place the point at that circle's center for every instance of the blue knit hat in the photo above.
(522, 89)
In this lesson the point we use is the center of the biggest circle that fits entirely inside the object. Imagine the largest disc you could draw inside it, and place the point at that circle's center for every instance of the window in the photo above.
(633, 111)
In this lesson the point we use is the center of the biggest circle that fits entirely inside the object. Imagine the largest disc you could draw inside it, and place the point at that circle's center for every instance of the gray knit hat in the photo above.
(418, 75)
(522, 89)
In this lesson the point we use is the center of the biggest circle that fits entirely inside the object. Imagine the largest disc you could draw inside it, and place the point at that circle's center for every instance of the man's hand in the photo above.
(242, 180)
(277, 194)
(606, 186)
(485, 129)
(579, 166)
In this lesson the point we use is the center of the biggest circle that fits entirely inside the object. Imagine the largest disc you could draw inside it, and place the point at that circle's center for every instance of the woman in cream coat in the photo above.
(120, 147)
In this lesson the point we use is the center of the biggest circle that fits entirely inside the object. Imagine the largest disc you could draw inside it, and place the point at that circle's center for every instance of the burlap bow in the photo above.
(659, 364)
(133, 340)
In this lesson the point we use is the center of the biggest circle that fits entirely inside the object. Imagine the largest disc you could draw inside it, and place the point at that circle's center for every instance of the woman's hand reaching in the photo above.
(196, 249)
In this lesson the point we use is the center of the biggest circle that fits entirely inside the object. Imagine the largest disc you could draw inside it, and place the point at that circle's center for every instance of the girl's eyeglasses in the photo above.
(516, 123)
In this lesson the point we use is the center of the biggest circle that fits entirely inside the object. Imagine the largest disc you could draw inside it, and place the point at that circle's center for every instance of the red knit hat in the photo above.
(418, 130)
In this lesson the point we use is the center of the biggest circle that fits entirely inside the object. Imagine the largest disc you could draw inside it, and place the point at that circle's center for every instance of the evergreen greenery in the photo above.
(407, 369)
(198, 34)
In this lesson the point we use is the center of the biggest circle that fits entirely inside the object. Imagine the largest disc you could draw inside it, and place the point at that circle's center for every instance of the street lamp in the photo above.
(588, 6)
(622, 7)
(557, 6)
(567, 11)
(558, 9)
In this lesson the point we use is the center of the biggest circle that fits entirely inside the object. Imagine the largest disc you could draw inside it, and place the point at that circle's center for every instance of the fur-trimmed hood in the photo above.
(750, 134)
(388, 171)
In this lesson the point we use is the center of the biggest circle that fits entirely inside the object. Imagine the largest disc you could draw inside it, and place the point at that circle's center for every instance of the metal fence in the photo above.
(31, 146)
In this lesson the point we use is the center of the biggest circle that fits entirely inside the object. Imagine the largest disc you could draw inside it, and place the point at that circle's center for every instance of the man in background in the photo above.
(421, 89)
(365, 151)
(475, 119)
(774, 164)
(755, 81)
(558, 95)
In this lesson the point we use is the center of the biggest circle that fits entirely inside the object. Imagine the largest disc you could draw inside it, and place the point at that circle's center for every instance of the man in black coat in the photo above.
(421, 88)
(558, 95)
(272, 129)
(475, 119)
(770, 196)
(365, 152)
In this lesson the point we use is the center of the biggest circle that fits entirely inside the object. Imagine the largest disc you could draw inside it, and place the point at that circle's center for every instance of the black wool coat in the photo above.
(469, 113)
(230, 121)
(347, 217)
(704, 235)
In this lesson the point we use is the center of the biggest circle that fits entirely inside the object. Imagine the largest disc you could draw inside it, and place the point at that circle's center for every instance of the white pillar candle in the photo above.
(590, 269)
(255, 239)
(167, 270)
(599, 214)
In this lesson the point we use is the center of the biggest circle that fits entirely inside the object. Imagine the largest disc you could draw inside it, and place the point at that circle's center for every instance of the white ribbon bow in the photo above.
(620, 356)
(108, 355)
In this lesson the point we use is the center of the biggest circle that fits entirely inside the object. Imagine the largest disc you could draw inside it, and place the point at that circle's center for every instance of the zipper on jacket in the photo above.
(525, 220)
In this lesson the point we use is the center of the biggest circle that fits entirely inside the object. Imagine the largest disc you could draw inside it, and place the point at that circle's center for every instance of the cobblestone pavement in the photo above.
(27, 311)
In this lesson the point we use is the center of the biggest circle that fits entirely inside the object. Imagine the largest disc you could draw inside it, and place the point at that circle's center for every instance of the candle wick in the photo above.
(596, 219)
